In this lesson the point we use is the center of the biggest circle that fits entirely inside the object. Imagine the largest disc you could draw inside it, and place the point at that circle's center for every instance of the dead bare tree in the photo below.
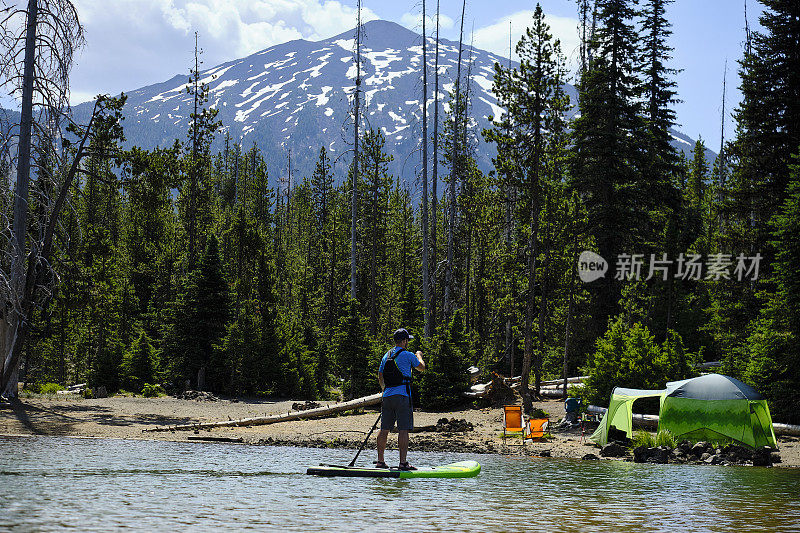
(425, 246)
(435, 180)
(37, 45)
(354, 202)
(455, 175)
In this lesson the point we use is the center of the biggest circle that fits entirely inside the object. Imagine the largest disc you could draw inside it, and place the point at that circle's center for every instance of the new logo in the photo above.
(591, 266)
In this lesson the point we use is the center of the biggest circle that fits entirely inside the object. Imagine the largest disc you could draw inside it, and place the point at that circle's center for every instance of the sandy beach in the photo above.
(125, 417)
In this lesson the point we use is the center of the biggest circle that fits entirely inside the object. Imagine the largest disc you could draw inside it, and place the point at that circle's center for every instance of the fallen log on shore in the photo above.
(272, 419)
(576, 379)
(786, 429)
(548, 389)
(553, 393)
(652, 421)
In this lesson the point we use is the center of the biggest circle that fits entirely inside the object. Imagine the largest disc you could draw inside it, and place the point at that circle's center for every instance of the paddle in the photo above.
(353, 462)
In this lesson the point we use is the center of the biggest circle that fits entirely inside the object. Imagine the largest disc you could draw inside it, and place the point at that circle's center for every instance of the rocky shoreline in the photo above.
(466, 430)
(687, 452)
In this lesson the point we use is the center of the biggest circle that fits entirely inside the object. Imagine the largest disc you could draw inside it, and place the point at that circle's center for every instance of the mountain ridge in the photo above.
(296, 96)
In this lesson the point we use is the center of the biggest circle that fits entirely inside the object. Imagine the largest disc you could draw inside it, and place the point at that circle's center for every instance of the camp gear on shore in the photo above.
(715, 408)
(513, 422)
(572, 407)
(711, 407)
(454, 470)
(537, 428)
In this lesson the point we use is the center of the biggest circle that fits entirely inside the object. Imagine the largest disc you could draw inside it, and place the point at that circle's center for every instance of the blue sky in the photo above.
(132, 43)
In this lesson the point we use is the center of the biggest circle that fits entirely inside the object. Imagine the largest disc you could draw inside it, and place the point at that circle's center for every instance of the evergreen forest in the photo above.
(197, 269)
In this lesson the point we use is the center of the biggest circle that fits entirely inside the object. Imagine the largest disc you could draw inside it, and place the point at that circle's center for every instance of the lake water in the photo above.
(49, 483)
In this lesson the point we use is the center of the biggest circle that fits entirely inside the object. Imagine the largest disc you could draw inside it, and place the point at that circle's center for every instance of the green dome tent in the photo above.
(712, 407)
(718, 408)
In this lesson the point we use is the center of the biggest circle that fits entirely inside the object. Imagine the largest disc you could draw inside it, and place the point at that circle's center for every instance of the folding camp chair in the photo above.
(572, 406)
(513, 422)
(537, 428)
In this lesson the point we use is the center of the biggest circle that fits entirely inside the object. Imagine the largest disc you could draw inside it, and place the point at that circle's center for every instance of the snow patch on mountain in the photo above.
(300, 94)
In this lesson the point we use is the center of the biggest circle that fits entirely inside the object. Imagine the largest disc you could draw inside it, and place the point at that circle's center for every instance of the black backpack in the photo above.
(392, 377)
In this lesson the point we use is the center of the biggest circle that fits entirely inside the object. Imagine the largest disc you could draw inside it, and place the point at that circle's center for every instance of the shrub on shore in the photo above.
(628, 356)
(642, 438)
(152, 391)
(46, 388)
(648, 440)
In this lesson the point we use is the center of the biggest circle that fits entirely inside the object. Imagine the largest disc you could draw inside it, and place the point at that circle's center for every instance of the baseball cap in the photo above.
(401, 334)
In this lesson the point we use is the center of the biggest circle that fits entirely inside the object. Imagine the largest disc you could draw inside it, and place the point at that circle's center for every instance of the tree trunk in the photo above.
(454, 173)
(13, 318)
(354, 204)
(573, 270)
(16, 335)
(373, 310)
(528, 358)
(435, 180)
(192, 230)
(332, 272)
(480, 311)
(468, 275)
(537, 371)
(425, 249)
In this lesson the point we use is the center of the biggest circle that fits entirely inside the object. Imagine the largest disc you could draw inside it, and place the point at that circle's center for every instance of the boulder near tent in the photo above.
(711, 407)
(716, 408)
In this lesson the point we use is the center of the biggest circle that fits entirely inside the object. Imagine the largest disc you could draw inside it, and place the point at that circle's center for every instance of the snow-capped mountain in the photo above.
(297, 96)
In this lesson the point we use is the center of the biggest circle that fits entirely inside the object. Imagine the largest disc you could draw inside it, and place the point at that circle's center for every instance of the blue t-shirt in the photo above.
(406, 361)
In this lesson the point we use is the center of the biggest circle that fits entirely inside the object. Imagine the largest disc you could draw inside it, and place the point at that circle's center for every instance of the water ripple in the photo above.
(49, 484)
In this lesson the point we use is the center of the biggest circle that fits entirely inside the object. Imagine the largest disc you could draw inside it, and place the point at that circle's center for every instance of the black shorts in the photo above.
(397, 408)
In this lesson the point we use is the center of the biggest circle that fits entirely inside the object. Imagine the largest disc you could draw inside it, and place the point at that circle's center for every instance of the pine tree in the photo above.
(767, 134)
(323, 242)
(297, 365)
(201, 315)
(353, 354)
(771, 350)
(530, 144)
(698, 174)
(445, 376)
(661, 161)
(149, 224)
(196, 193)
(139, 364)
(767, 125)
(607, 163)
(376, 181)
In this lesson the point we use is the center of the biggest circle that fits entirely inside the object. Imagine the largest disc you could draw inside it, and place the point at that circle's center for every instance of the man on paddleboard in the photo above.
(394, 376)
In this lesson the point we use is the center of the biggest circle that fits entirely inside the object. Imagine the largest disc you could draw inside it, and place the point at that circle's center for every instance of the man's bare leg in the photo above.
(402, 443)
(383, 435)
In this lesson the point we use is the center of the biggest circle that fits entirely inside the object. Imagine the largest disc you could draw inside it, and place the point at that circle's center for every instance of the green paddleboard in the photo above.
(460, 469)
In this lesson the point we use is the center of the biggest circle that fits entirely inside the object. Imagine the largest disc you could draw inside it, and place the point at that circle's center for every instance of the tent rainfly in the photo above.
(717, 408)
(711, 407)
(620, 412)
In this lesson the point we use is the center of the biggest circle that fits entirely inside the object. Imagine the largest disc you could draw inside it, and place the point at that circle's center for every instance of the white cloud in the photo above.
(78, 97)
(413, 21)
(131, 43)
(494, 37)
